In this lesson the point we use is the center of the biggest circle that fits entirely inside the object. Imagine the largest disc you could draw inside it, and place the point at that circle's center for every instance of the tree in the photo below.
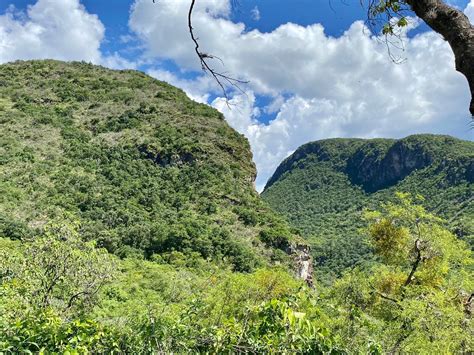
(48, 286)
(444, 19)
(418, 299)
(57, 270)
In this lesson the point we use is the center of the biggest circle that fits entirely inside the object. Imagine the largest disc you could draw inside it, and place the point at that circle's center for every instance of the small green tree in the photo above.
(63, 271)
(47, 287)
(418, 298)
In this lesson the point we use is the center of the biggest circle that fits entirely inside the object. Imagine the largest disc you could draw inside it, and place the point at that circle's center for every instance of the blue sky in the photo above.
(335, 15)
(315, 71)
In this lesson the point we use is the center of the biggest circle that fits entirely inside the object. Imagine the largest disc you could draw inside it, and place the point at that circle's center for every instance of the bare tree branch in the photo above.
(221, 78)
(468, 304)
(415, 264)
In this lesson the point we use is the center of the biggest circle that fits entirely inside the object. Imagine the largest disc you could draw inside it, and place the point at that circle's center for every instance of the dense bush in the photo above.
(60, 294)
(402, 304)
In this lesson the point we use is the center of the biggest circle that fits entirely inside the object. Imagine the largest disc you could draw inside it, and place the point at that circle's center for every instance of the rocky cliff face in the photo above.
(379, 163)
(302, 261)
(382, 169)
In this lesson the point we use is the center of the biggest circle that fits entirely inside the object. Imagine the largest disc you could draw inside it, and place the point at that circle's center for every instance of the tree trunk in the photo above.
(456, 29)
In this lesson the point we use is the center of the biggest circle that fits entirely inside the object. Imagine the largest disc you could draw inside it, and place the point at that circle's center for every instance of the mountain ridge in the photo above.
(324, 186)
(384, 145)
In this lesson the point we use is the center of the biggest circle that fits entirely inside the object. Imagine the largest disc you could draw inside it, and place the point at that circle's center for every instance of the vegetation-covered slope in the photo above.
(145, 170)
(59, 294)
(95, 158)
(325, 185)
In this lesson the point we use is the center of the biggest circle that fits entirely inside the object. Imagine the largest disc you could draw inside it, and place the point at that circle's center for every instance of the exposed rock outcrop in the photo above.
(373, 173)
(303, 262)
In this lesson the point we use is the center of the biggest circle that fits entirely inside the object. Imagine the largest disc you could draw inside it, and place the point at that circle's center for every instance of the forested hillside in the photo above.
(129, 224)
(324, 187)
(145, 170)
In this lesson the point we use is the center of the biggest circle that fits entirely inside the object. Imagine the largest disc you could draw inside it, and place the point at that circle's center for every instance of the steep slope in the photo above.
(145, 170)
(325, 185)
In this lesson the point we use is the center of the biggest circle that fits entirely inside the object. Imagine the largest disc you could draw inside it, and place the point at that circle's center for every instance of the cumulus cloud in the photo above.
(163, 27)
(57, 29)
(320, 86)
(51, 29)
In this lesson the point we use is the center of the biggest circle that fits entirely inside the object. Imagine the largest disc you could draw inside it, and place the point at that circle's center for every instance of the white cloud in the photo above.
(56, 29)
(116, 61)
(255, 13)
(164, 29)
(334, 87)
(60, 29)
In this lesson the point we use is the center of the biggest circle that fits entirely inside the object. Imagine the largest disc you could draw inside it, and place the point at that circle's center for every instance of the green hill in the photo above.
(145, 170)
(324, 186)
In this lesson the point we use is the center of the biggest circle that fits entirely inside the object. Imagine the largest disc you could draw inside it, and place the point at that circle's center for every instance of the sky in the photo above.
(314, 70)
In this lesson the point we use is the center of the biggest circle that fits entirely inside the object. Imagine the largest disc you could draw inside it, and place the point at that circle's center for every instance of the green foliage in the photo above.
(47, 285)
(188, 305)
(391, 12)
(417, 300)
(46, 332)
(146, 307)
(95, 160)
(156, 179)
(324, 187)
(57, 268)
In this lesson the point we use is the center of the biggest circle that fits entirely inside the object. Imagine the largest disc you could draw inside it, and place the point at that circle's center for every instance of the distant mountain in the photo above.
(145, 170)
(325, 185)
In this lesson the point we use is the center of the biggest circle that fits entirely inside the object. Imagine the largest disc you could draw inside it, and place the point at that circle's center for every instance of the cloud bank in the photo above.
(320, 86)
